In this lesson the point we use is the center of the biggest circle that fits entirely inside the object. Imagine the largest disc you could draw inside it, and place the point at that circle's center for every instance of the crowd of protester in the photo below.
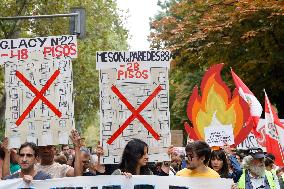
(249, 169)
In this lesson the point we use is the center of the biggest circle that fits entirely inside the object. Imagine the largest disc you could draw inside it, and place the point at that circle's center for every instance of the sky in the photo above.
(138, 21)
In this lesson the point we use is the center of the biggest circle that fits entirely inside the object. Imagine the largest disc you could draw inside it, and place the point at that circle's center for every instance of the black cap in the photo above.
(256, 153)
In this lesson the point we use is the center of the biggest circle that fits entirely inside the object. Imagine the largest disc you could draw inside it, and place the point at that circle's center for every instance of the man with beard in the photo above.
(27, 161)
(254, 174)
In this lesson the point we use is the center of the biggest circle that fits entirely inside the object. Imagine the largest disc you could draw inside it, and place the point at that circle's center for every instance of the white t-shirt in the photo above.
(55, 170)
(258, 183)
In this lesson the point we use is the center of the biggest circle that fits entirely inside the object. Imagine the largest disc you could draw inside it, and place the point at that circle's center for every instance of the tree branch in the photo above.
(13, 30)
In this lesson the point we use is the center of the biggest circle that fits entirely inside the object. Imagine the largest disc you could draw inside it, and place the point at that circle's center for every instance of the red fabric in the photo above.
(273, 145)
(253, 118)
(239, 83)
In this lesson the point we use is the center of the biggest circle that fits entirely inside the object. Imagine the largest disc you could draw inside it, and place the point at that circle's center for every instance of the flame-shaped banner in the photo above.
(216, 105)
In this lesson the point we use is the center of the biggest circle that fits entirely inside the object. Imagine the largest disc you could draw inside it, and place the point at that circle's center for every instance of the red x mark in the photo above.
(39, 95)
(135, 113)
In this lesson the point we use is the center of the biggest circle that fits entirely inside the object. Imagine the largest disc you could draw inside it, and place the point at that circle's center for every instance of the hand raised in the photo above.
(76, 138)
(5, 145)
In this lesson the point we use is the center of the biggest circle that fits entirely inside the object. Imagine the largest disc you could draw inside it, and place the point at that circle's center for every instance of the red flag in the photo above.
(254, 104)
(273, 145)
(276, 119)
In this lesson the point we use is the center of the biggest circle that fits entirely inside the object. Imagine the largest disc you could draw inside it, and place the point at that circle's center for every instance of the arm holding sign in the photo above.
(237, 170)
(78, 168)
(166, 164)
(6, 163)
(97, 166)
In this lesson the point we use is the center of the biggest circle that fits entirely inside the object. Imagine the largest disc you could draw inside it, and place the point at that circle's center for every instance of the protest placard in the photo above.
(134, 102)
(39, 89)
(219, 136)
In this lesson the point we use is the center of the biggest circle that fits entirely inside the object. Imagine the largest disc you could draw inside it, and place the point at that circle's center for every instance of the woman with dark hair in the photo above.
(218, 162)
(134, 159)
(225, 163)
(239, 157)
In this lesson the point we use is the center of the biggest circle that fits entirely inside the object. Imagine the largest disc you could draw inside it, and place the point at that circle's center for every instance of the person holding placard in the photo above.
(27, 160)
(49, 166)
(89, 168)
(219, 163)
(56, 170)
(134, 159)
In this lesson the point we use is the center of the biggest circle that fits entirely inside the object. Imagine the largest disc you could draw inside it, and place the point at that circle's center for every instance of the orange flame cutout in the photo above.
(216, 104)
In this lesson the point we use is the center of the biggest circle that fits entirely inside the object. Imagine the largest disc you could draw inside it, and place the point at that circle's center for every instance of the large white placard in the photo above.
(39, 89)
(134, 97)
(120, 182)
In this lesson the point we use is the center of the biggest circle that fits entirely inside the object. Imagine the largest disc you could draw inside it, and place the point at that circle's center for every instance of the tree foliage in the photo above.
(105, 31)
(247, 35)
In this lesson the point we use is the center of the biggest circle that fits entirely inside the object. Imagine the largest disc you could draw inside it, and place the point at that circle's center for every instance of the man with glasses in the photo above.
(197, 157)
(89, 167)
(27, 160)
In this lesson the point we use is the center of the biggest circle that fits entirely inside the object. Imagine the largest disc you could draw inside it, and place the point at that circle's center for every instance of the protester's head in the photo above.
(71, 151)
(135, 155)
(270, 156)
(254, 162)
(65, 149)
(176, 162)
(197, 153)
(158, 166)
(239, 157)
(85, 157)
(71, 160)
(27, 156)
(268, 163)
(218, 162)
(280, 171)
(177, 155)
(61, 159)
(46, 154)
